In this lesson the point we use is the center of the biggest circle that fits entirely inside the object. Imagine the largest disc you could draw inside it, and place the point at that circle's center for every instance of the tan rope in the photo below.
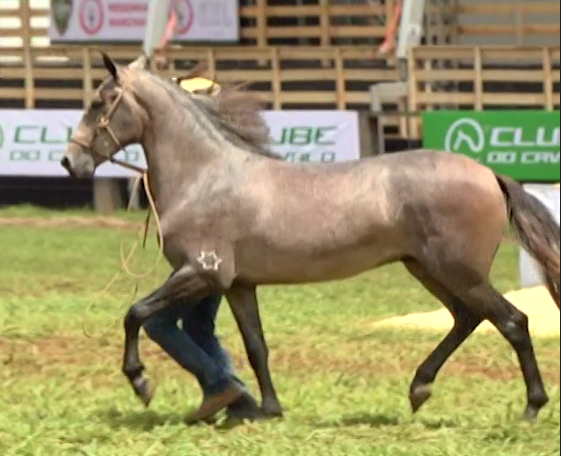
(125, 260)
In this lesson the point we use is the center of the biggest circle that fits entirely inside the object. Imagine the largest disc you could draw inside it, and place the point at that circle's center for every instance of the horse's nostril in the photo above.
(65, 163)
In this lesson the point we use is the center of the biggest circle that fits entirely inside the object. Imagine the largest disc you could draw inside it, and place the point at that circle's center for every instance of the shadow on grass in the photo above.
(148, 420)
(143, 421)
(377, 420)
(359, 419)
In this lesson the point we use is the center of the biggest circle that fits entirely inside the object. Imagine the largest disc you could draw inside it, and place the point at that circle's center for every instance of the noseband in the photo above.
(103, 126)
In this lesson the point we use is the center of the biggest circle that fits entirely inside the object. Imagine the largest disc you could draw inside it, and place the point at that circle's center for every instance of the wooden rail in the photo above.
(453, 77)
(478, 78)
(285, 78)
(529, 22)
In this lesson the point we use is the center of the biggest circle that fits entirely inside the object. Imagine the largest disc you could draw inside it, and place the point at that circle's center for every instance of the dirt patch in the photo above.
(71, 222)
(534, 302)
(45, 356)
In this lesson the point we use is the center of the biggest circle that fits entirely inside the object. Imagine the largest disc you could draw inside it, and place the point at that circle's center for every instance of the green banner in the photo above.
(521, 144)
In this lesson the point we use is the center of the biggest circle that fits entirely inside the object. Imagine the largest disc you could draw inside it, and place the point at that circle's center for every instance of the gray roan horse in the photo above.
(228, 212)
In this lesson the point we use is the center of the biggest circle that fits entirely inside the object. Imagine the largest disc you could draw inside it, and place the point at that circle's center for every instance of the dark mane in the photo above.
(234, 111)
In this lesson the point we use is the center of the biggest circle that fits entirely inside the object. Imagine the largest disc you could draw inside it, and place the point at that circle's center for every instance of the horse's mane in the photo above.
(234, 110)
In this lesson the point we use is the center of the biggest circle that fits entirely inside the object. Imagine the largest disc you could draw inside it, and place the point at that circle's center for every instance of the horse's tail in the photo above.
(536, 230)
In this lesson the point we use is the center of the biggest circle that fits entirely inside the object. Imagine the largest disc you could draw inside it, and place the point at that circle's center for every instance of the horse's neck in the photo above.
(179, 153)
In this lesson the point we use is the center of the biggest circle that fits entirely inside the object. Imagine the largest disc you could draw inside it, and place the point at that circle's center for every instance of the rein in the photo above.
(104, 126)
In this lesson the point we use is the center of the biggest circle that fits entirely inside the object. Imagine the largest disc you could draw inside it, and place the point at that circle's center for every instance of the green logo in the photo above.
(61, 10)
(524, 145)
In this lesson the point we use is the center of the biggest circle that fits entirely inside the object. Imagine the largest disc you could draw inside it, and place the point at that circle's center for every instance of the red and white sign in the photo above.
(125, 20)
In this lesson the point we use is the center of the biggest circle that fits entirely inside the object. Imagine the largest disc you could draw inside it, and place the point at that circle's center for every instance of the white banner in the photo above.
(549, 195)
(125, 20)
(32, 142)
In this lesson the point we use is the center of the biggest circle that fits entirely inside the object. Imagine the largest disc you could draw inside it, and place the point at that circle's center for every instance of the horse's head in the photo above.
(113, 120)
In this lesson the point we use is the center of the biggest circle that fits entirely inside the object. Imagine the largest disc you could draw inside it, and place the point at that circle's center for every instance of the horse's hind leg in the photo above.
(513, 325)
(481, 299)
(465, 322)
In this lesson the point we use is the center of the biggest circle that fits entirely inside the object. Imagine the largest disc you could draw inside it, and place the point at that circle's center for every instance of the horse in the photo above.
(228, 207)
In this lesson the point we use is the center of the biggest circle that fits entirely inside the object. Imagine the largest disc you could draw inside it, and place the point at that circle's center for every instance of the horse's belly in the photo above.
(299, 267)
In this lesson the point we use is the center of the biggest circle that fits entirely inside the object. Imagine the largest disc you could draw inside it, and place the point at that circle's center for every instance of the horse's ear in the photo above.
(110, 65)
(140, 63)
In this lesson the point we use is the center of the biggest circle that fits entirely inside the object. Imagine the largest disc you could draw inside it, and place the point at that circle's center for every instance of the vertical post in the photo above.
(478, 82)
(155, 24)
(261, 22)
(547, 79)
(211, 62)
(412, 105)
(27, 55)
(324, 23)
(376, 122)
(340, 82)
(276, 82)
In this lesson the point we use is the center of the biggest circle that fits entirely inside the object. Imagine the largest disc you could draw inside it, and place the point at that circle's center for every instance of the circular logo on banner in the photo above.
(466, 133)
(185, 16)
(91, 16)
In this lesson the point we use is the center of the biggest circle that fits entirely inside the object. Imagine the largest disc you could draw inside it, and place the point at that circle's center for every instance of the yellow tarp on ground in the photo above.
(534, 302)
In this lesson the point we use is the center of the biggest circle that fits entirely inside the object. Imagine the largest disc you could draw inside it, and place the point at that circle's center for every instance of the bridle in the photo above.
(103, 126)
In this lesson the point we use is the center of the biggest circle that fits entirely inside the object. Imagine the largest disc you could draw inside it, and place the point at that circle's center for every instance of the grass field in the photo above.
(343, 383)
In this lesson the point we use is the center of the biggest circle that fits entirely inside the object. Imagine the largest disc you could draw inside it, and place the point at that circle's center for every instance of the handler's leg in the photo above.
(162, 328)
(185, 285)
(200, 326)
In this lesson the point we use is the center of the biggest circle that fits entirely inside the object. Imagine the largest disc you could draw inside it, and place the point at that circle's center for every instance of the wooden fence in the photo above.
(455, 77)
(516, 23)
(478, 78)
(323, 77)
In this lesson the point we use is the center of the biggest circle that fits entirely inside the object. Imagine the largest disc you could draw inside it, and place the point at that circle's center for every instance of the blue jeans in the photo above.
(194, 346)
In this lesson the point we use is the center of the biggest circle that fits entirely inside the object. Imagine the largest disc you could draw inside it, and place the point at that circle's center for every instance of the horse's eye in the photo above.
(97, 104)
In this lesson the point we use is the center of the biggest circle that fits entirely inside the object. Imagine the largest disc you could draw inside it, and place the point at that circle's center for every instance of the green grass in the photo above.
(343, 383)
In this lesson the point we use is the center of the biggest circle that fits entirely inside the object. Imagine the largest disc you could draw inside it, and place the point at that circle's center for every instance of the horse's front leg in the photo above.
(244, 305)
(187, 284)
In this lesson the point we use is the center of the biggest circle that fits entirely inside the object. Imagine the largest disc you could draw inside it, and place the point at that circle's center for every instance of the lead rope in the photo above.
(125, 260)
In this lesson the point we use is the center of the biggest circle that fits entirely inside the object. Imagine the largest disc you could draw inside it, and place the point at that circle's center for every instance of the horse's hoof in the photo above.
(271, 412)
(530, 414)
(247, 415)
(418, 396)
(146, 392)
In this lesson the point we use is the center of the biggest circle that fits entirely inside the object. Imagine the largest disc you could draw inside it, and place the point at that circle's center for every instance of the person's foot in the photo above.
(213, 404)
(245, 408)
